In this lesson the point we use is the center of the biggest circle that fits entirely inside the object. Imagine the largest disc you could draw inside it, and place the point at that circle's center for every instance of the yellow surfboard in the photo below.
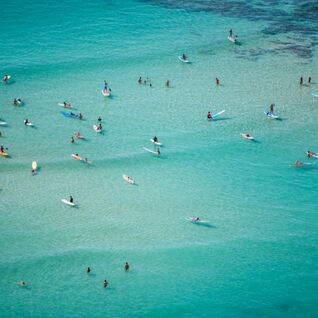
(34, 165)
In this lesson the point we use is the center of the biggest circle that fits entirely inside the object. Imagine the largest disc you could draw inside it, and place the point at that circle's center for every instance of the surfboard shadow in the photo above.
(209, 226)
(10, 82)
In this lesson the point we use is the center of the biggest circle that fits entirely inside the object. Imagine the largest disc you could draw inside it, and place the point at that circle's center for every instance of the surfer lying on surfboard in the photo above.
(309, 154)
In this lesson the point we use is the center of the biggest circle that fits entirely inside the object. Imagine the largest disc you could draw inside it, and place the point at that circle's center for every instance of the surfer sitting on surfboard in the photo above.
(184, 57)
(6, 77)
(158, 151)
(271, 108)
(155, 139)
(209, 115)
(71, 198)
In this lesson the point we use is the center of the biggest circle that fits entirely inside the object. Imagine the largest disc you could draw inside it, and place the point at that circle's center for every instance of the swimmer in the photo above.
(139, 80)
(33, 172)
(167, 83)
(301, 80)
(71, 198)
(0, 134)
(88, 270)
(85, 160)
(217, 81)
(72, 140)
(309, 80)
(126, 266)
(150, 85)
(105, 283)
(21, 283)
(99, 118)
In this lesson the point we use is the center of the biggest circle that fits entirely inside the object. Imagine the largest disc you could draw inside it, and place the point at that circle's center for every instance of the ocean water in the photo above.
(257, 256)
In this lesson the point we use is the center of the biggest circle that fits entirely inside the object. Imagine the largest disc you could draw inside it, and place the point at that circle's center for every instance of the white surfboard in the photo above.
(34, 165)
(156, 142)
(247, 136)
(128, 179)
(193, 220)
(97, 129)
(28, 124)
(154, 152)
(182, 60)
(64, 105)
(271, 115)
(315, 95)
(105, 93)
(231, 39)
(68, 202)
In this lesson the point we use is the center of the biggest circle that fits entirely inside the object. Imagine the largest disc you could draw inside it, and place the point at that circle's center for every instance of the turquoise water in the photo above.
(257, 257)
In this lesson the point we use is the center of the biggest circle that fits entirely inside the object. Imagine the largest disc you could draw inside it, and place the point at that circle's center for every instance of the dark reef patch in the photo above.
(298, 19)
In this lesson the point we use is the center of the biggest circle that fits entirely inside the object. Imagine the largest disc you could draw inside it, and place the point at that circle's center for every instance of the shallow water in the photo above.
(258, 255)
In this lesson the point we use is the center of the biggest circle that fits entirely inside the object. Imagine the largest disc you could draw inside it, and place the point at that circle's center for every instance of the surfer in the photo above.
(271, 108)
(139, 80)
(155, 139)
(99, 118)
(196, 219)
(15, 101)
(167, 83)
(71, 198)
(88, 270)
(85, 160)
(301, 80)
(217, 81)
(105, 85)
(126, 266)
(209, 115)
(231, 32)
(1, 149)
(105, 283)
(309, 80)
(0, 134)
(158, 151)
(72, 140)
(184, 57)
(6, 77)
(308, 153)
(19, 100)
(33, 172)
(26, 122)
(100, 127)
(80, 116)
